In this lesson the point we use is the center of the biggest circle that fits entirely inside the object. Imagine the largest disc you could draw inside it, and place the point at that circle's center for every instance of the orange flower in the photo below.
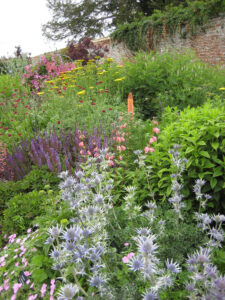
(130, 104)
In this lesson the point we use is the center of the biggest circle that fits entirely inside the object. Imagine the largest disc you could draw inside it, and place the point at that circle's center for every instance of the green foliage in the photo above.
(35, 180)
(22, 209)
(200, 132)
(146, 32)
(169, 79)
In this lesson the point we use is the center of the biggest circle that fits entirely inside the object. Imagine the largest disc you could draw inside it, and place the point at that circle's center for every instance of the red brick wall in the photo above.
(209, 45)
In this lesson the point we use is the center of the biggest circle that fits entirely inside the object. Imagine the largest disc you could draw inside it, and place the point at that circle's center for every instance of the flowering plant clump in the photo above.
(46, 69)
(64, 151)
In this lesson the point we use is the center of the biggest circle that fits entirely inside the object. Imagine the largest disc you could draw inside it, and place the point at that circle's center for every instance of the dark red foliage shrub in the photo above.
(85, 50)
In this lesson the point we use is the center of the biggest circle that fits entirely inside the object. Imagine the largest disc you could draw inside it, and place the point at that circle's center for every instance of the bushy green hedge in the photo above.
(201, 133)
(169, 79)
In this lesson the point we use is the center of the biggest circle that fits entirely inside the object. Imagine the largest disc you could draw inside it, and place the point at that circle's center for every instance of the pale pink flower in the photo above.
(118, 148)
(16, 287)
(29, 230)
(43, 290)
(16, 264)
(81, 144)
(155, 122)
(81, 152)
(112, 157)
(28, 281)
(125, 259)
(151, 149)
(89, 153)
(27, 273)
(154, 138)
(121, 157)
(96, 149)
(111, 163)
(123, 148)
(156, 130)
(6, 284)
(146, 149)
(122, 139)
(121, 118)
(52, 288)
(96, 155)
(118, 139)
(13, 297)
(130, 255)
(126, 244)
(151, 140)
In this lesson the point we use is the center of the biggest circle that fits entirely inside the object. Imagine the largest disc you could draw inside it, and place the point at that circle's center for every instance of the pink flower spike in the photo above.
(154, 138)
(16, 264)
(29, 230)
(146, 149)
(156, 130)
(155, 122)
(111, 163)
(125, 259)
(1, 289)
(123, 148)
(126, 244)
(151, 149)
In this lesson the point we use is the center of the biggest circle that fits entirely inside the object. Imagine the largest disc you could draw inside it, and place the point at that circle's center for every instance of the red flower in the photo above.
(14, 95)
(1, 103)
(9, 135)
(2, 92)
(93, 103)
(19, 133)
(26, 106)
(59, 92)
(12, 120)
(6, 128)
(1, 126)
(26, 114)
(15, 90)
(43, 111)
(81, 101)
(15, 105)
(103, 110)
(58, 122)
(110, 108)
(15, 112)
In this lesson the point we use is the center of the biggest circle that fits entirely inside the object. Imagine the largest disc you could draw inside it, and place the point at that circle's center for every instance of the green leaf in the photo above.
(201, 143)
(37, 260)
(204, 153)
(213, 182)
(39, 275)
(215, 145)
(218, 171)
(189, 149)
(208, 164)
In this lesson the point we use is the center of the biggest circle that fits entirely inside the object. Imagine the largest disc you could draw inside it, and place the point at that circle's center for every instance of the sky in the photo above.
(20, 25)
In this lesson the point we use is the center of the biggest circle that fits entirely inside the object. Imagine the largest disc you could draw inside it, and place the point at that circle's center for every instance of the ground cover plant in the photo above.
(98, 203)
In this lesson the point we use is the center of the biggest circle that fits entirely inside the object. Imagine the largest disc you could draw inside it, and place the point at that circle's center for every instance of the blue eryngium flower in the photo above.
(68, 292)
(172, 266)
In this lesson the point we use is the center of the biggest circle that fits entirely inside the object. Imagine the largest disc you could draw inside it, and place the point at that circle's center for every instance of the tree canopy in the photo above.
(77, 18)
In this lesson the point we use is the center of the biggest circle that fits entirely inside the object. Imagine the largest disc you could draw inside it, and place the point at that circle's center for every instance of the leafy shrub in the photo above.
(21, 211)
(85, 50)
(200, 132)
(35, 180)
(169, 79)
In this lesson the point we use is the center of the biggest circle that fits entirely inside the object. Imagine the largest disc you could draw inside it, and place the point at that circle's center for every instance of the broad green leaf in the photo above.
(39, 275)
(213, 182)
(204, 153)
(218, 171)
(215, 145)
(189, 149)
(201, 143)
(37, 260)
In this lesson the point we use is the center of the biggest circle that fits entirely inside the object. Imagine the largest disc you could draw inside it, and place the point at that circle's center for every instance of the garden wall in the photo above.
(209, 44)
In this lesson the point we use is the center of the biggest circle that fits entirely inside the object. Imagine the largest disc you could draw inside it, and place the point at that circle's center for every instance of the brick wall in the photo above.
(209, 45)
